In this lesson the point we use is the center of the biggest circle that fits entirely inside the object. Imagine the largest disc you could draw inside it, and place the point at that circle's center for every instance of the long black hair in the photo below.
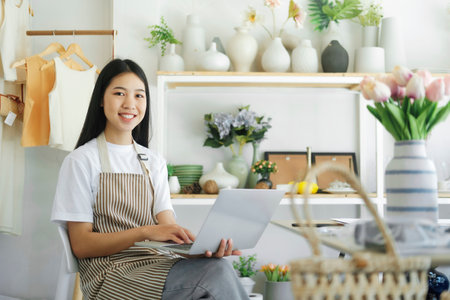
(95, 121)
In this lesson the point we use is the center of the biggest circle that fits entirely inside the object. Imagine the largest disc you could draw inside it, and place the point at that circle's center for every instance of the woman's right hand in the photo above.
(169, 232)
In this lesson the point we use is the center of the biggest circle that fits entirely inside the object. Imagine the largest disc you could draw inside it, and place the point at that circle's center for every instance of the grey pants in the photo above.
(203, 278)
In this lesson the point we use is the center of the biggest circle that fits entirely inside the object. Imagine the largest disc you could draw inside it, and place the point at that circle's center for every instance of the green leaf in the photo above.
(400, 120)
(374, 112)
(387, 122)
(275, 274)
(441, 115)
(348, 9)
(415, 134)
(210, 142)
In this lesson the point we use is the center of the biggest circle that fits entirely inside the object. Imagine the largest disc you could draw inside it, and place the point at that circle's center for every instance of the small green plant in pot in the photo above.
(161, 35)
(246, 268)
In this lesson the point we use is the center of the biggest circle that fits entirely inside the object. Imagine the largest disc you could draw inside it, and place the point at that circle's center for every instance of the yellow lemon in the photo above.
(302, 186)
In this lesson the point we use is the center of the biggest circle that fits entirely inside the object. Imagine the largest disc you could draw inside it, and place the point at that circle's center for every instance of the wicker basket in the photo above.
(364, 276)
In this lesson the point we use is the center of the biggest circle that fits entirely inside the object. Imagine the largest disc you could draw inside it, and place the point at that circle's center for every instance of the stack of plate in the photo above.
(187, 174)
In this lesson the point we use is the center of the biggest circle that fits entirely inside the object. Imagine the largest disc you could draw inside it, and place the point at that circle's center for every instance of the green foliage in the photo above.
(246, 265)
(372, 16)
(170, 170)
(406, 120)
(323, 12)
(161, 35)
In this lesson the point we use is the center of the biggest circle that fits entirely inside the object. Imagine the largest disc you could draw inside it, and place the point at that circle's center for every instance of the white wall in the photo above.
(325, 120)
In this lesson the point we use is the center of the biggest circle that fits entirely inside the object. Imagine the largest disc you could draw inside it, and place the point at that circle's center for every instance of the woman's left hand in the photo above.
(225, 249)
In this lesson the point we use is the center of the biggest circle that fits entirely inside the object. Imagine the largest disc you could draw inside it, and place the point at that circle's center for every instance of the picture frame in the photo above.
(292, 166)
(344, 158)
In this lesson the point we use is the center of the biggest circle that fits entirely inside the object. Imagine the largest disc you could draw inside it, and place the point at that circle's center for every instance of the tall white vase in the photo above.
(242, 49)
(193, 42)
(370, 36)
(276, 58)
(171, 61)
(391, 39)
(411, 183)
(304, 58)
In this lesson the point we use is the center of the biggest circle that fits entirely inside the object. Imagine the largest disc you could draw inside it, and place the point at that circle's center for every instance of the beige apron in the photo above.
(124, 202)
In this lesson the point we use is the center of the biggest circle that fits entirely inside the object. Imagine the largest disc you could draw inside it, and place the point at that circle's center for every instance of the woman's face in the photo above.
(124, 104)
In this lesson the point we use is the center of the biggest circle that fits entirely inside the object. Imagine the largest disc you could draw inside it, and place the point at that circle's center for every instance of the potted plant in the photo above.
(327, 14)
(409, 106)
(278, 282)
(161, 35)
(224, 129)
(370, 19)
(264, 168)
(245, 267)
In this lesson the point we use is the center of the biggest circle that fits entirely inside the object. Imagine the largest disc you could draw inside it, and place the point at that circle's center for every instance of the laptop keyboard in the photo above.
(180, 246)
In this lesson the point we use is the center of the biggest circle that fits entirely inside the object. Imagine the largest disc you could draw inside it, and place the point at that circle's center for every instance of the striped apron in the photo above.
(124, 202)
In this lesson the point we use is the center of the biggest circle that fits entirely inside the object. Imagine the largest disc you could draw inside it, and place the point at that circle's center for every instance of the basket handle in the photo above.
(309, 231)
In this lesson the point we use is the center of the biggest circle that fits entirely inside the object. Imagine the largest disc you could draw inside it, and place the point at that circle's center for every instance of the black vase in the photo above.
(266, 180)
(437, 283)
(334, 58)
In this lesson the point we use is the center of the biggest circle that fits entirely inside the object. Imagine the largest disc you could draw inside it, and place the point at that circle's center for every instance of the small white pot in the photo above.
(213, 60)
(247, 283)
(174, 185)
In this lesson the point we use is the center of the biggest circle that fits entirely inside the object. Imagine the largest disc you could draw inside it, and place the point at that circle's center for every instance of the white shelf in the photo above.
(169, 81)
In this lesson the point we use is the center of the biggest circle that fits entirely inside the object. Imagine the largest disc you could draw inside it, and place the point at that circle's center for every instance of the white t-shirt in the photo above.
(78, 180)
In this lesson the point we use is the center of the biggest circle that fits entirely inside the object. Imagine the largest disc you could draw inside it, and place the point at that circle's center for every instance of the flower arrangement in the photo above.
(406, 103)
(224, 129)
(264, 167)
(371, 14)
(245, 266)
(324, 11)
(295, 12)
(161, 35)
(276, 272)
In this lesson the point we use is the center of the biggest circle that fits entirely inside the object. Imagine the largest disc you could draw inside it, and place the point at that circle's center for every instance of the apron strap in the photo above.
(143, 160)
(103, 152)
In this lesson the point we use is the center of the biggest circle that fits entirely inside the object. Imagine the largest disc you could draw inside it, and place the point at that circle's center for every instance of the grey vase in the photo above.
(334, 58)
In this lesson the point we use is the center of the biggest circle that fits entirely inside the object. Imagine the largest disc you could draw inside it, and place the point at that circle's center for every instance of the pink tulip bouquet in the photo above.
(408, 104)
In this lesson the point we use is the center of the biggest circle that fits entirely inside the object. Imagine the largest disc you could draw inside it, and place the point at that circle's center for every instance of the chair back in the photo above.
(71, 260)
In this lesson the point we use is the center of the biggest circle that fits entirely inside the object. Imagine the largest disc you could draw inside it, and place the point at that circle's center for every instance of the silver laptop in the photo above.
(239, 214)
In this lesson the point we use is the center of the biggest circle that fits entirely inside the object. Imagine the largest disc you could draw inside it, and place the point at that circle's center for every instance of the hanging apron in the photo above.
(124, 202)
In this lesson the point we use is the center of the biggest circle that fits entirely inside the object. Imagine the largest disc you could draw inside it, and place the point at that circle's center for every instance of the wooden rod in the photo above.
(72, 32)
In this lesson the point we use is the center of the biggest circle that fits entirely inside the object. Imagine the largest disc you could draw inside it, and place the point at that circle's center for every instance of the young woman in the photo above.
(112, 192)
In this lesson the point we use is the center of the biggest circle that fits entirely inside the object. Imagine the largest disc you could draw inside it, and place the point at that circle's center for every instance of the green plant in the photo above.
(170, 170)
(264, 167)
(371, 16)
(276, 272)
(246, 265)
(406, 103)
(323, 12)
(161, 35)
(225, 128)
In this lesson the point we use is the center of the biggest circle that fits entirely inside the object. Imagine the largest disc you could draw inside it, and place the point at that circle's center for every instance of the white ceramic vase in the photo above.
(275, 58)
(304, 58)
(174, 185)
(331, 34)
(222, 178)
(193, 42)
(370, 36)
(391, 39)
(411, 183)
(369, 60)
(171, 61)
(242, 49)
(213, 60)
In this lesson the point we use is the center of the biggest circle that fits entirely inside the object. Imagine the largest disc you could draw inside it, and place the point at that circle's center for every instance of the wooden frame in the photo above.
(344, 158)
(292, 166)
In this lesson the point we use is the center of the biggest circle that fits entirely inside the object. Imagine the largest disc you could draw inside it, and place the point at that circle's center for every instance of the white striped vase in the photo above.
(411, 183)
